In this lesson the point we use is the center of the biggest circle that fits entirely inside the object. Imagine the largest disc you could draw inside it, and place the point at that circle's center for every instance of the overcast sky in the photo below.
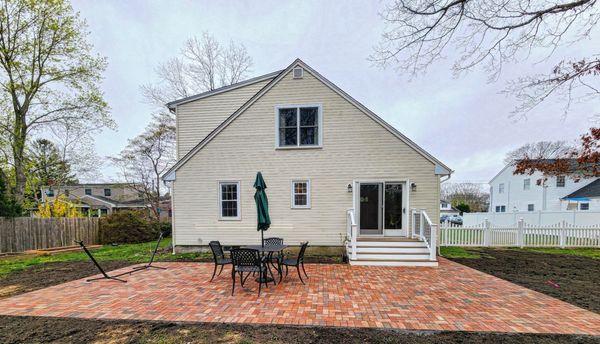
(463, 121)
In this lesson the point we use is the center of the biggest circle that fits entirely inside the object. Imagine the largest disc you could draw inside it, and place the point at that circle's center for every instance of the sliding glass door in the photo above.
(382, 209)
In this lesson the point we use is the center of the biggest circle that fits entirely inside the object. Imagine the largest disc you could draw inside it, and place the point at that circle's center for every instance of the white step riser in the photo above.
(416, 250)
(391, 243)
(394, 263)
(393, 256)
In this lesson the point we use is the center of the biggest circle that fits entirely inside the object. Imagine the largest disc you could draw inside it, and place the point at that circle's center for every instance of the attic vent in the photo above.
(298, 73)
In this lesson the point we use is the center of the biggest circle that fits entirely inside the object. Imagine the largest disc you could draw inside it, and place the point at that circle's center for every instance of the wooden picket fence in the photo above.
(520, 234)
(27, 233)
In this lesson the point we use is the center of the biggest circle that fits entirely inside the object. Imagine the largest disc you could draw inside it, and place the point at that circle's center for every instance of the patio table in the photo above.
(269, 249)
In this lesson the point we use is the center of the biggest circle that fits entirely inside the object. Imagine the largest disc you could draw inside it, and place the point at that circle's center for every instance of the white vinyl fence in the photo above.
(540, 218)
(521, 234)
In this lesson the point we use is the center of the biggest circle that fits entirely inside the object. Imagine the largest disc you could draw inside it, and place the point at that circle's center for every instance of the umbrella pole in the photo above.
(262, 238)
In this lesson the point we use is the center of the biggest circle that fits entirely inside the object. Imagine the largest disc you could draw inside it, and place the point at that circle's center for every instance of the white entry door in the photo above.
(382, 208)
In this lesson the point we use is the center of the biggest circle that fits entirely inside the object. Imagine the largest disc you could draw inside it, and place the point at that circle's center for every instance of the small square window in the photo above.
(88, 192)
(584, 206)
(301, 194)
(526, 184)
(560, 181)
(530, 207)
(107, 192)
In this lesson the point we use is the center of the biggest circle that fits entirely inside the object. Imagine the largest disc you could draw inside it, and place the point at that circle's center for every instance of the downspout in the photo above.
(439, 248)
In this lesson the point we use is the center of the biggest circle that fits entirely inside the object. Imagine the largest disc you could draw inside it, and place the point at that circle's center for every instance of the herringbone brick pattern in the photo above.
(450, 297)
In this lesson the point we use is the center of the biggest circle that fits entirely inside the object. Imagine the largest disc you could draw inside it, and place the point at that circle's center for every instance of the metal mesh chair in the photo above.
(248, 261)
(296, 262)
(275, 260)
(218, 256)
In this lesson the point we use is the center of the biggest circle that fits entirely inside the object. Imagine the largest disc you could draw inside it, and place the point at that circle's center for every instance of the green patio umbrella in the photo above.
(262, 206)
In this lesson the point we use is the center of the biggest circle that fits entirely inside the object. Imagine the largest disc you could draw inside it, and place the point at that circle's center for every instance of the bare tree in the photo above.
(473, 194)
(539, 150)
(146, 158)
(204, 65)
(490, 34)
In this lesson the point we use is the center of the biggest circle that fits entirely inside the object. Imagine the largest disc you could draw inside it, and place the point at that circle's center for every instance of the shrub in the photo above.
(127, 227)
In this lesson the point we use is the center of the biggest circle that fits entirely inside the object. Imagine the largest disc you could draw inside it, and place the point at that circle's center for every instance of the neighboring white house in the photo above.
(332, 167)
(511, 192)
(447, 209)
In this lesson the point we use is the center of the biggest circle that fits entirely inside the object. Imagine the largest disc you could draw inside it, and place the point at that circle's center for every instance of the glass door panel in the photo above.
(371, 208)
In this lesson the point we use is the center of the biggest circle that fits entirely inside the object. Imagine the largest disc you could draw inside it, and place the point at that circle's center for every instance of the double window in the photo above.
(301, 194)
(500, 208)
(299, 126)
(229, 200)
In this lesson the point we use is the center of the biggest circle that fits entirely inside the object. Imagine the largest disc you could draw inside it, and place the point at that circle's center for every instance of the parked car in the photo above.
(453, 219)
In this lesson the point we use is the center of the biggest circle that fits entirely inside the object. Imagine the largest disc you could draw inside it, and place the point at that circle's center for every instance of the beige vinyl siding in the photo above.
(354, 147)
(198, 118)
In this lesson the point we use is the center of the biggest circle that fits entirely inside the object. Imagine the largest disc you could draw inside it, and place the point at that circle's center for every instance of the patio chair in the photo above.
(279, 257)
(296, 262)
(218, 256)
(247, 260)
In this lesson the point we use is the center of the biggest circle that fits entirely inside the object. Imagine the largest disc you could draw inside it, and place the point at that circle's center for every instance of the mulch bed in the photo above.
(49, 330)
(573, 279)
(49, 274)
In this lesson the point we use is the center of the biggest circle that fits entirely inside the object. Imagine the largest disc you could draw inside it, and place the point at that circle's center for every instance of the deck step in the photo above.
(378, 249)
(386, 239)
(392, 256)
(384, 262)
(390, 244)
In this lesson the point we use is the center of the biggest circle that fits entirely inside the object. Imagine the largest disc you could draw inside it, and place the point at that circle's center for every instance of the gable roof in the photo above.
(590, 190)
(440, 168)
(175, 103)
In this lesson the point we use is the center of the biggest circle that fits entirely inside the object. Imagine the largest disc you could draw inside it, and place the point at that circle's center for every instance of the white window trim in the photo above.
(319, 120)
(239, 200)
(501, 188)
(526, 186)
(292, 193)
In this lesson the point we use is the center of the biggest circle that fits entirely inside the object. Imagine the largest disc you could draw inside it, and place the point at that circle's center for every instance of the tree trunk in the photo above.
(18, 147)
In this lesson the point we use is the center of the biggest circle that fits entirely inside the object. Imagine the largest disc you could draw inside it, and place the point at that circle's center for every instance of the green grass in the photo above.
(474, 252)
(458, 252)
(134, 253)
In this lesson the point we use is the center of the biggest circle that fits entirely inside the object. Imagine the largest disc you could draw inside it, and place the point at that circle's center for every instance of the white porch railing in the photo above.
(352, 233)
(520, 234)
(422, 228)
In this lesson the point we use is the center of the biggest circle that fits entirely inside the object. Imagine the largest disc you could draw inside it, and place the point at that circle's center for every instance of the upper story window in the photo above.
(88, 192)
(500, 208)
(526, 184)
(229, 200)
(301, 194)
(299, 126)
(530, 207)
(501, 188)
(560, 181)
(107, 192)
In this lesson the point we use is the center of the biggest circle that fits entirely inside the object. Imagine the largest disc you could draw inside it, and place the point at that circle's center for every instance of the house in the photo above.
(337, 174)
(97, 199)
(447, 209)
(536, 192)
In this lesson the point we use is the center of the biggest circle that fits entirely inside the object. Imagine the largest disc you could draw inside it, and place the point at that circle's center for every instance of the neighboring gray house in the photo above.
(337, 174)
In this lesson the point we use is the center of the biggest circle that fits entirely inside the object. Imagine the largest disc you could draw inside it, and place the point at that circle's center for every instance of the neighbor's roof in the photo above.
(173, 104)
(440, 168)
(574, 165)
(590, 190)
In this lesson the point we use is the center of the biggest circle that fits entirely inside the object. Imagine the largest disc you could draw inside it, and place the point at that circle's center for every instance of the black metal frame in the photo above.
(251, 258)
(149, 265)
(298, 262)
(104, 274)
(218, 257)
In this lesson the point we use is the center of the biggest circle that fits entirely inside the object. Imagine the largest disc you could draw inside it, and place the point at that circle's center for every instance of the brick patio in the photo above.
(450, 297)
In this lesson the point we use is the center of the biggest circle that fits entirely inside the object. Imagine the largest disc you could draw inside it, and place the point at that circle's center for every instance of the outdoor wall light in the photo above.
(413, 187)
(350, 188)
